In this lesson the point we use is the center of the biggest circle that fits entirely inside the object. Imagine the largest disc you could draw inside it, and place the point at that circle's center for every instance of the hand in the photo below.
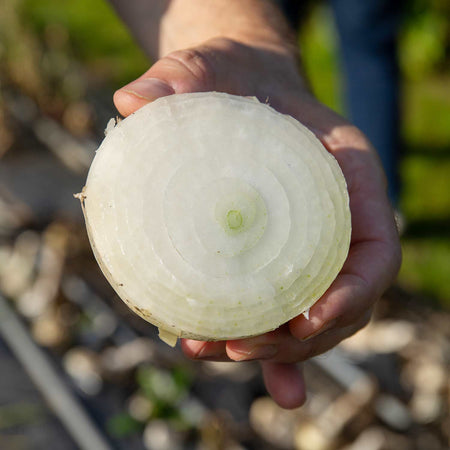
(271, 74)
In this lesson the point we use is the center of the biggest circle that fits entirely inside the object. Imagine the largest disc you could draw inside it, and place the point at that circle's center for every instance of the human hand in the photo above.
(271, 74)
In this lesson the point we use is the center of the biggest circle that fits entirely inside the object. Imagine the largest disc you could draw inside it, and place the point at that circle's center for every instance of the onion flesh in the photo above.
(215, 217)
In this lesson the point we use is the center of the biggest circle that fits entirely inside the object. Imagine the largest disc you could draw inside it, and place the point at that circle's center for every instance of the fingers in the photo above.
(374, 256)
(206, 351)
(179, 72)
(285, 384)
(348, 298)
(367, 273)
(290, 349)
(218, 65)
(140, 92)
(278, 346)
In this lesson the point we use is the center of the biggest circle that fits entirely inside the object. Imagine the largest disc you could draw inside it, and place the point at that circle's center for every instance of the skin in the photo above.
(244, 47)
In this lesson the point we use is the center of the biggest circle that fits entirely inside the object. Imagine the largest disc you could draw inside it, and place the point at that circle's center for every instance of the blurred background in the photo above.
(81, 371)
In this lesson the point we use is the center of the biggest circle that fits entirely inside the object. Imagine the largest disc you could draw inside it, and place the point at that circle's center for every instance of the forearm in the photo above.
(162, 26)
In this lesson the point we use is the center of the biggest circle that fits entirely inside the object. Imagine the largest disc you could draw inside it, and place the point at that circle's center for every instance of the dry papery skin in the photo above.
(215, 217)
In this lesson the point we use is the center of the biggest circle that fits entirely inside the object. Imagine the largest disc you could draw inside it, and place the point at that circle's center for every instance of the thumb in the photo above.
(181, 71)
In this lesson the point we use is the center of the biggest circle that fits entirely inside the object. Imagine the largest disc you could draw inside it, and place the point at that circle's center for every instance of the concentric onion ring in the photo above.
(215, 217)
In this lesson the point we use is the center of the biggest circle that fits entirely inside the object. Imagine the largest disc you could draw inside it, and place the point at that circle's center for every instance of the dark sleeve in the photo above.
(291, 9)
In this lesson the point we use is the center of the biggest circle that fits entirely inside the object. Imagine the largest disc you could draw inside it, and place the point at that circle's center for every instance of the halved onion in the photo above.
(215, 217)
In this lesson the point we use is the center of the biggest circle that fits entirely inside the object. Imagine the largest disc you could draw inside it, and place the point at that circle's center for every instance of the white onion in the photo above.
(216, 217)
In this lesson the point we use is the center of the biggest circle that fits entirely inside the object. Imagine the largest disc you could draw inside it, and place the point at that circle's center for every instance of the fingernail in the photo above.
(148, 88)
(206, 352)
(258, 352)
(327, 326)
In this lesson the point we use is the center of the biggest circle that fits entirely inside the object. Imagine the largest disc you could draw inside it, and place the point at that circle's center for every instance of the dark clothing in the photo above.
(368, 34)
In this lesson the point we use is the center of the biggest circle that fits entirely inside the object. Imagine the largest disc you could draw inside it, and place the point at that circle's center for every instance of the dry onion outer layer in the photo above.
(215, 217)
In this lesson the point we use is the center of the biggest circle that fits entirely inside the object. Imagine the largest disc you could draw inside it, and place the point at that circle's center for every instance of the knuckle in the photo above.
(356, 137)
(347, 134)
(358, 325)
(198, 65)
(315, 347)
(364, 321)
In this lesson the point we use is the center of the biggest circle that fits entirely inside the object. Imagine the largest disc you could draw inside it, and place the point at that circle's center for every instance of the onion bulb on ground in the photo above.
(215, 217)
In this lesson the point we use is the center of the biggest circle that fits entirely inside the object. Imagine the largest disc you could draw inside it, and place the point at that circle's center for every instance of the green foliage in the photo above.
(163, 386)
(319, 57)
(20, 414)
(425, 38)
(426, 113)
(167, 391)
(123, 425)
(426, 267)
(425, 175)
(98, 39)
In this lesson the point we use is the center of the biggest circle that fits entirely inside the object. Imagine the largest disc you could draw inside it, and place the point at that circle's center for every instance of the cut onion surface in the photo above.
(215, 217)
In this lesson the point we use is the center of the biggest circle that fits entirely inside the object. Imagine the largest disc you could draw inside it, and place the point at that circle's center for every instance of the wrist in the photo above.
(257, 23)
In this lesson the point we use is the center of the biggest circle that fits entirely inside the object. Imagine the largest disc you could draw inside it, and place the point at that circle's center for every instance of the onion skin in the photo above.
(224, 220)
